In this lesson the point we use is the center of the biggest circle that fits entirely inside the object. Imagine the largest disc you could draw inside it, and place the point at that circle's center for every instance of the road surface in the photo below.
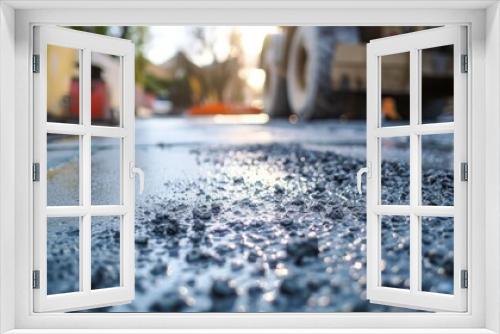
(251, 218)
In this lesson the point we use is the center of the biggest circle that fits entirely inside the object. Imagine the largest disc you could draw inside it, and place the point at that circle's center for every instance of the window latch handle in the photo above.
(359, 175)
(139, 172)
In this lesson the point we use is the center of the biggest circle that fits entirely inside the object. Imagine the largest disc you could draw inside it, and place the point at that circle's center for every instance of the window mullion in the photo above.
(86, 240)
(106, 131)
(81, 178)
(66, 128)
(421, 210)
(421, 129)
(415, 267)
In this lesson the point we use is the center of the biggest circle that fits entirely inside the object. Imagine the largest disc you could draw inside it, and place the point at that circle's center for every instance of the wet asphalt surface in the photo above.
(255, 218)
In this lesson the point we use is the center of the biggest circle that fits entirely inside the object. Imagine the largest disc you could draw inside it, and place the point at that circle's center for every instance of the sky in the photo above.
(165, 41)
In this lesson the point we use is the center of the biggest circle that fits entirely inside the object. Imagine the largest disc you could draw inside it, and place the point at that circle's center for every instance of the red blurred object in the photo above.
(74, 101)
(219, 108)
(99, 99)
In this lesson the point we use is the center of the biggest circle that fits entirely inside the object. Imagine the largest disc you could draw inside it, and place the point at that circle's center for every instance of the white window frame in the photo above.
(85, 44)
(16, 20)
(414, 44)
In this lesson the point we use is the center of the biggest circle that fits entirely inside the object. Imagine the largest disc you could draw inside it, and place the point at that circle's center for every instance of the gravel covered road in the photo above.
(266, 218)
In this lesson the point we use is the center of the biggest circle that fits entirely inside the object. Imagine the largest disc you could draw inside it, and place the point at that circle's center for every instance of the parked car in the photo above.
(162, 106)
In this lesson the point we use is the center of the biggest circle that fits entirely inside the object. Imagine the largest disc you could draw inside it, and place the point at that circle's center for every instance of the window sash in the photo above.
(414, 43)
(85, 298)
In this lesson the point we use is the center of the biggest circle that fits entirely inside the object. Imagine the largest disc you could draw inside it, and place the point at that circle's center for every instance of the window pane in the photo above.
(63, 170)
(437, 84)
(106, 89)
(63, 255)
(395, 89)
(437, 254)
(395, 242)
(437, 169)
(63, 84)
(105, 252)
(106, 171)
(395, 170)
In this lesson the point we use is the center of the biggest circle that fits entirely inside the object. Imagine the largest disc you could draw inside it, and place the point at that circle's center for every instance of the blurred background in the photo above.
(250, 138)
(296, 72)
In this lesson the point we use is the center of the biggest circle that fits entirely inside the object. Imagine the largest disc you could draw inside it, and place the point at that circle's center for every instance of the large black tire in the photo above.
(310, 91)
(275, 92)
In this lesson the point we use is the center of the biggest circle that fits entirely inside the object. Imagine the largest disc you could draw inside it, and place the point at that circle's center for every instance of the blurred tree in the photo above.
(138, 35)
(236, 53)
(155, 85)
(220, 80)
(205, 41)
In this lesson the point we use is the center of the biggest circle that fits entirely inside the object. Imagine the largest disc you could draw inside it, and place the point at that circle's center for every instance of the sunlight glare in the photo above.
(241, 119)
